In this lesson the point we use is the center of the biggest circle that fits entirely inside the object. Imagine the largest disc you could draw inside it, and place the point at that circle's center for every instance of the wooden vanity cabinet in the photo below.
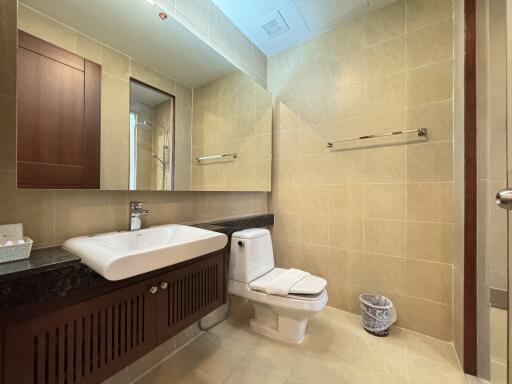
(89, 341)
(189, 293)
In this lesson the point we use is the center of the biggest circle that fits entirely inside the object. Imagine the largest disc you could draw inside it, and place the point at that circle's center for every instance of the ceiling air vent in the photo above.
(272, 25)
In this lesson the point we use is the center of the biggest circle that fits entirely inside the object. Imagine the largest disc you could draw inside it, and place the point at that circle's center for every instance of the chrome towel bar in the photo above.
(217, 157)
(419, 131)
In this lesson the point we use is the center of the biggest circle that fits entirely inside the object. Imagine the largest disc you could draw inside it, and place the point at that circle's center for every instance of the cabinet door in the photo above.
(59, 117)
(190, 293)
(83, 343)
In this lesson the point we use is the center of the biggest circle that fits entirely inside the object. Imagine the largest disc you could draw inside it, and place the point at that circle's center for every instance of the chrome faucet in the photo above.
(136, 211)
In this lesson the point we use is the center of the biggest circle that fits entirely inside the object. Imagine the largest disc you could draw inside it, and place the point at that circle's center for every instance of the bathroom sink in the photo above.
(119, 255)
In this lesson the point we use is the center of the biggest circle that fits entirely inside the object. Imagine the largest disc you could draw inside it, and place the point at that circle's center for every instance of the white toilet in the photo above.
(284, 314)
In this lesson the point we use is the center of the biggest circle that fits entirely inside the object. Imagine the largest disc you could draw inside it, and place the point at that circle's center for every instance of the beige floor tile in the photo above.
(336, 350)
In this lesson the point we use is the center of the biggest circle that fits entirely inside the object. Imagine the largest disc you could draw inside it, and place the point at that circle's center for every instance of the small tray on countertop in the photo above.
(13, 245)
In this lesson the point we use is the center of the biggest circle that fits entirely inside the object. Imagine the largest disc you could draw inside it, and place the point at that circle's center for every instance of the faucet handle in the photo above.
(136, 204)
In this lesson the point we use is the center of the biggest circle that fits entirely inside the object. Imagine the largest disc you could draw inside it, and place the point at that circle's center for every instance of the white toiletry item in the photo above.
(13, 245)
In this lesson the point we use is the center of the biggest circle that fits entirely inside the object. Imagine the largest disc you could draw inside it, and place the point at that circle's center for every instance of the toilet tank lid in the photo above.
(251, 233)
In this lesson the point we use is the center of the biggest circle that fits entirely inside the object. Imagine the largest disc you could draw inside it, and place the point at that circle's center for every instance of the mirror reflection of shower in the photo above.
(151, 133)
(164, 159)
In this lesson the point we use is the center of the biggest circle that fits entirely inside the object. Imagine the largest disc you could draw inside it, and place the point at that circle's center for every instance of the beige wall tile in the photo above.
(430, 44)
(348, 69)
(346, 200)
(318, 109)
(345, 277)
(315, 169)
(428, 280)
(420, 13)
(430, 241)
(286, 171)
(114, 62)
(284, 63)
(314, 228)
(115, 136)
(349, 101)
(286, 144)
(384, 95)
(384, 237)
(429, 202)
(286, 253)
(33, 208)
(347, 167)
(430, 162)
(315, 51)
(384, 201)
(89, 212)
(88, 48)
(284, 199)
(48, 29)
(370, 88)
(384, 164)
(437, 118)
(429, 84)
(314, 258)
(313, 139)
(424, 316)
(263, 147)
(384, 273)
(286, 116)
(386, 58)
(346, 232)
(287, 226)
(385, 23)
(347, 38)
(314, 199)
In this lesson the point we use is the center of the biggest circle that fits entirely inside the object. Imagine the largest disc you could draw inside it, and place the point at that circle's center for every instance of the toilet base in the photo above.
(286, 326)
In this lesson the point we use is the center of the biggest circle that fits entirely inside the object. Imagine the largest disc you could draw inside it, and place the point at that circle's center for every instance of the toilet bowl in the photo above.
(281, 316)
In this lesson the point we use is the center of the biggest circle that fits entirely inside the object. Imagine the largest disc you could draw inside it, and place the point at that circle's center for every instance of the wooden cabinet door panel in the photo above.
(58, 117)
(192, 292)
(51, 103)
(84, 343)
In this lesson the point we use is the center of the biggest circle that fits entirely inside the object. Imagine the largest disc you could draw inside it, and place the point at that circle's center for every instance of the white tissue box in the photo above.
(13, 245)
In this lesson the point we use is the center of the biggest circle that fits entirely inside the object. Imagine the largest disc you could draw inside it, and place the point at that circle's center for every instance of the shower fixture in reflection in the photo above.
(164, 162)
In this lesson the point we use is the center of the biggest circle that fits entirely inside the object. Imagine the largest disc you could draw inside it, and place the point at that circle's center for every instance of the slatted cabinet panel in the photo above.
(190, 293)
(83, 343)
(88, 342)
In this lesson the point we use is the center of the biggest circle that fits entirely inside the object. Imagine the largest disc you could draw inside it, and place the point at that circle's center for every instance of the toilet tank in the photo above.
(251, 254)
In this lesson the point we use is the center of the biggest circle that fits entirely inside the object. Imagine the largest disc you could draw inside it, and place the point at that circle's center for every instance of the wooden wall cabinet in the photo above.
(90, 341)
(59, 117)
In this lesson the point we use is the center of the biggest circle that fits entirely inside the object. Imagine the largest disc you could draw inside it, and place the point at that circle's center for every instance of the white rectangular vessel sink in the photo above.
(119, 255)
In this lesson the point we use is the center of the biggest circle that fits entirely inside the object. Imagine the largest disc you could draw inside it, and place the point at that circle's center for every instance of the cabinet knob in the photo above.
(164, 285)
(153, 290)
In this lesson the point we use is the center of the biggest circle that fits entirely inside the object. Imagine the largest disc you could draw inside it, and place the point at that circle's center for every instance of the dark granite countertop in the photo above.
(40, 260)
(54, 273)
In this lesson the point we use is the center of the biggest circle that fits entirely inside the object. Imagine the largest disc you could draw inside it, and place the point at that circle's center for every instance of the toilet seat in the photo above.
(300, 302)
(308, 286)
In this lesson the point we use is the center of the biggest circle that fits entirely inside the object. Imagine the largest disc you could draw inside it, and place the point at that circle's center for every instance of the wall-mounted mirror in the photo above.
(167, 112)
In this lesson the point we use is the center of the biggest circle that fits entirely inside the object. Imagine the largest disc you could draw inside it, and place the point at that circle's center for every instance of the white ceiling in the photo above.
(133, 27)
(305, 18)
